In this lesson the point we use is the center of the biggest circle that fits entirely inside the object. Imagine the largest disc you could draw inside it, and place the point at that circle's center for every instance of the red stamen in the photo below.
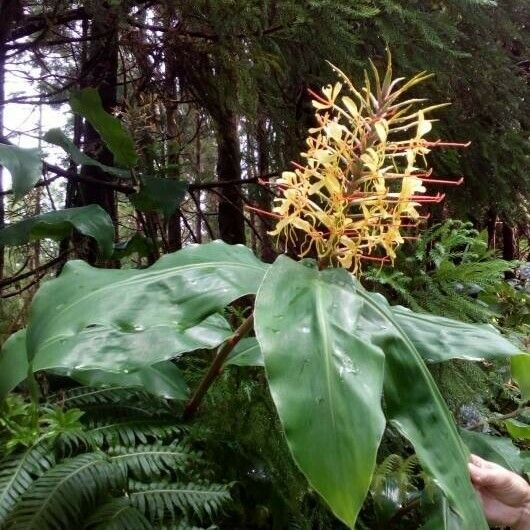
(318, 97)
(262, 212)
(444, 182)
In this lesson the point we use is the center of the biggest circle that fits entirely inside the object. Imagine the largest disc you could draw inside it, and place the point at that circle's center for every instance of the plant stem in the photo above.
(216, 367)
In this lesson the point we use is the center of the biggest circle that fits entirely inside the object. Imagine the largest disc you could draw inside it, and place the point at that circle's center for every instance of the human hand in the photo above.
(505, 495)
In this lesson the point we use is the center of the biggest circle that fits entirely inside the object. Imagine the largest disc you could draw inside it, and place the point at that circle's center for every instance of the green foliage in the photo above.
(159, 195)
(126, 464)
(24, 165)
(87, 103)
(92, 221)
(57, 137)
(446, 270)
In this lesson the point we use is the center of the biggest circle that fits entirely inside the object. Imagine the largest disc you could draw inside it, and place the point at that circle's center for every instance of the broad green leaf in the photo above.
(92, 221)
(440, 339)
(518, 429)
(25, 166)
(13, 362)
(494, 448)
(87, 103)
(246, 353)
(159, 195)
(414, 405)
(325, 380)
(521, 373)
(125, 349)
(137, 244)
(117, 320)
(57, 137)
(162, 379)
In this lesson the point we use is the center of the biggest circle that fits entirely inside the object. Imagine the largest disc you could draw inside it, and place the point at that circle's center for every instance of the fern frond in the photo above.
(86, 395)
(118, 514)
(59, 498)
(146, 462)
(173, 500)
(131, 431)
(18, 471)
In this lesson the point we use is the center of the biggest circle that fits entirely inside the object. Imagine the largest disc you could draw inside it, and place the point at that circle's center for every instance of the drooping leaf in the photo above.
(162, 379)
(137, 244)
(440, 339)
(416, 408)
(325, 380)
(87, 103)
(521, 373)
(497, 449)
(117, 320)
(246, 353)
(57, 137)
(159, 195)
(24, 165)
(92, 221)
(13, 362)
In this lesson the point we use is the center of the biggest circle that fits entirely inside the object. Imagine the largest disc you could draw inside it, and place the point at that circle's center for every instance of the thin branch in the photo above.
(41, 268)
(217, 366)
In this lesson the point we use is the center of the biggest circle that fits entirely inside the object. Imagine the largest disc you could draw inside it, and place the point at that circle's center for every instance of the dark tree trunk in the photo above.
(231, 217)
(9, 12)
(99, 71)
(491, 225)
(508, 242)
(267, 250)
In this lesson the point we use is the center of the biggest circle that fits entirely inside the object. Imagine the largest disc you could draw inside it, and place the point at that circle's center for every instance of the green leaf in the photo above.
(518, 429)
(13, 362)
(414, 405)
(87, 103)
(521, 373)
(159, 195)
(325, 380)
(118, 320)
(25, 166)
(440, 339)
(162, 379)
(494, 448)
(246, 353)
(92, 221)
(137, 244)
(57, 137)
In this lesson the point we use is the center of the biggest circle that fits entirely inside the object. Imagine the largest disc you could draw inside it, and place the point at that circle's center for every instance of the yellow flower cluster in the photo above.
(361, 176)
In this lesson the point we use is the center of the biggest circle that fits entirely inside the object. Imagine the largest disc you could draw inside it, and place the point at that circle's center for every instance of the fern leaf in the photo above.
(85, 395)
(118, 514)
(131, 431)
(173, 500)
(18, 471)
(150, 461)
(60, 497)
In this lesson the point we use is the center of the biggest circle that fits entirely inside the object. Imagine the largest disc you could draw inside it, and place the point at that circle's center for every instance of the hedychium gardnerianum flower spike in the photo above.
(363, 181)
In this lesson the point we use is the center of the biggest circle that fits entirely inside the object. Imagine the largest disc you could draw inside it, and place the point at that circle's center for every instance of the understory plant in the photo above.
(103, 458)
(342, 364)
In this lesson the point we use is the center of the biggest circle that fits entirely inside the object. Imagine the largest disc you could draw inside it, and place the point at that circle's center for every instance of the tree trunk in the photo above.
(11, 11)
(100, 71)
(231, 217)
(264, 199)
